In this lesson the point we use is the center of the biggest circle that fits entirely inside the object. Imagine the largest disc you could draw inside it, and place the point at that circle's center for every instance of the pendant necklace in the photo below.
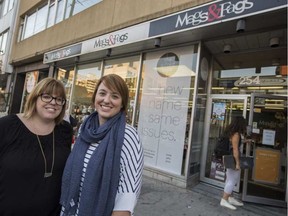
(47, 174)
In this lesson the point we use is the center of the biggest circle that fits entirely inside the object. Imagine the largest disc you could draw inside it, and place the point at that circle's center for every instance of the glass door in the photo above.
(266, 183)
(220, 110)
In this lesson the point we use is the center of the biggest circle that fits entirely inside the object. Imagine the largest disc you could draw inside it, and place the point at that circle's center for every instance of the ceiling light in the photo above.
(240, 27)
(274, 42)
(157, 42)
(227, 48)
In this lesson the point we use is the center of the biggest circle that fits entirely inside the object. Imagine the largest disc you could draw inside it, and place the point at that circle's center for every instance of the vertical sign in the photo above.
(164, 107)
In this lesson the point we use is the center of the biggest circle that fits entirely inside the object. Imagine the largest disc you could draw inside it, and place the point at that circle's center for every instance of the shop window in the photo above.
(31, 80)
(127, 68)
(67, 77)
(165, 105)
(263, 80)
(85, 82)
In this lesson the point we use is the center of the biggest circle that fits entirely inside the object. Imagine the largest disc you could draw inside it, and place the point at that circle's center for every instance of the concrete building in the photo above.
(190, 66)
(8, 12)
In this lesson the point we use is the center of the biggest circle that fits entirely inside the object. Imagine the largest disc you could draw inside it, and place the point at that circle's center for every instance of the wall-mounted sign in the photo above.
(63, 53)
(212, 13)
(117, 38)
(260, 81)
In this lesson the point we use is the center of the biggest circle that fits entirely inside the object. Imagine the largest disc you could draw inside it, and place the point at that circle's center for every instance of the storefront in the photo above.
(188, 74)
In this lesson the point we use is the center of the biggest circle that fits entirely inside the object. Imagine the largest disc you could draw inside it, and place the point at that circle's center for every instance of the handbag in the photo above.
(246, 162)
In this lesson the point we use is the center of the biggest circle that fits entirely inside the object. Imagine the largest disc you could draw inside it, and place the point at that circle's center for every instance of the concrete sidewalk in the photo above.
(161, 199)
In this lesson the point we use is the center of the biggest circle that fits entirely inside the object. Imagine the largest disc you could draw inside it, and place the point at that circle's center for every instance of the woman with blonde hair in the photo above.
(34, 147)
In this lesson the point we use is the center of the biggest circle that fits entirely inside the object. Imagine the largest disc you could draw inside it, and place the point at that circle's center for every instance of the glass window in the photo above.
(67, 77)
(41, 19)
(127, 68)
(31, 80)
(6, 5)
(51, 14)
(56, 11)
(165, 105)
(3, 42)
(29, 27)
(73, 7)
(60, 11)
(263, 80)
(85, 83)
(1, 38)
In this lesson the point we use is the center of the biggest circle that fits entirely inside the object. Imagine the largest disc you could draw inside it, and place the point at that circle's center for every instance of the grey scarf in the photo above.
(103, 170)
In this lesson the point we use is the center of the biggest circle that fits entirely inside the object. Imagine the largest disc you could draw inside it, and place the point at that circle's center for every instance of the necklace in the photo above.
(47, 174)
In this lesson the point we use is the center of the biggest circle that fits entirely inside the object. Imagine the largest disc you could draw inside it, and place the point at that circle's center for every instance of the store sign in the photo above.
(118, 38)
(63, 53)
(212, 13)
(164, 107)
(260, 81)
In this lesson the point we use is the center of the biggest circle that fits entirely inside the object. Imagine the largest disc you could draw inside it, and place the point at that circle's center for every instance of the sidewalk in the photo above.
(161, 199)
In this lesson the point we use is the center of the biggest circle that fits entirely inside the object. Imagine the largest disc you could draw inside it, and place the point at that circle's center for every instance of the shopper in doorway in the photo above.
(103, 174)
(34, 147)
(234, 131)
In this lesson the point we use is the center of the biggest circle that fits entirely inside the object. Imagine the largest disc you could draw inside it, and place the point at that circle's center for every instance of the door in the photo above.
(266, 183)
(220, 110)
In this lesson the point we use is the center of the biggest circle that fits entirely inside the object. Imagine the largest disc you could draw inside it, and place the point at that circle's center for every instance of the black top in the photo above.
(23, 189)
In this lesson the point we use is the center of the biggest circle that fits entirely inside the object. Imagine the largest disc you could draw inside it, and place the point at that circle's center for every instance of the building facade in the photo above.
(190, 67)
(8, 12)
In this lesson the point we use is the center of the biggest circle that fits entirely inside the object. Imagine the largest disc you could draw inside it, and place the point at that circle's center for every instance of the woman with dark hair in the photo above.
(103, 174)
(234, 131)
(34, 147)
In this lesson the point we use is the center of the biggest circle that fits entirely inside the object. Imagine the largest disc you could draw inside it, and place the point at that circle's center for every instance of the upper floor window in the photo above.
(3, 42)
(51, 13)
(76, 6)
(6, 6)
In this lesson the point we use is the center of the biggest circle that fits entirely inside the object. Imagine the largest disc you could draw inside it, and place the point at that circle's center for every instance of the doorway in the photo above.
(220, 110)
(266, 183)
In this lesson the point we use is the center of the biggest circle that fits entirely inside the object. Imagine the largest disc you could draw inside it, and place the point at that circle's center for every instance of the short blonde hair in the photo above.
(50, 86)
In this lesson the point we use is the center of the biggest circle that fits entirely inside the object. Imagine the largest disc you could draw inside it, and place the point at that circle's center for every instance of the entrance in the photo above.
(266, 183)
(220, 110)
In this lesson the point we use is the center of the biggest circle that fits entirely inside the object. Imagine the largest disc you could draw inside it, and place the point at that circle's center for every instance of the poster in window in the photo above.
(164, 107)
(31, 80)
(267, 165)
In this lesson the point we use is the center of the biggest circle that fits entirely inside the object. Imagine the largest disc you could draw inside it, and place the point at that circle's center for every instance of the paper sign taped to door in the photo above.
(268, 137)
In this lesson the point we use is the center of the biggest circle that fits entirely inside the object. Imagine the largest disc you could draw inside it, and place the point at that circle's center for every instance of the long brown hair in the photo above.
(237, 125)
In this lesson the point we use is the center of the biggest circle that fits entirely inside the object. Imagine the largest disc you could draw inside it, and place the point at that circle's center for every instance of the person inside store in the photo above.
(34, 148)
(235, 130)
(103, 173)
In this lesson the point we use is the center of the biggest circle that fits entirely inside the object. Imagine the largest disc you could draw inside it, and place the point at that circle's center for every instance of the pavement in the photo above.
(161, 199)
